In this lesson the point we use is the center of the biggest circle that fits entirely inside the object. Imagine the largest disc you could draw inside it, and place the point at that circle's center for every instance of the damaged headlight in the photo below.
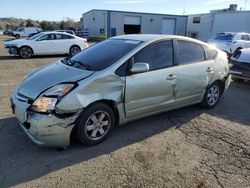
(47, 101)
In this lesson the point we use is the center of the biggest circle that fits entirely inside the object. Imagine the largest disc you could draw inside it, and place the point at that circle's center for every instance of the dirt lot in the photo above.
(189, 147)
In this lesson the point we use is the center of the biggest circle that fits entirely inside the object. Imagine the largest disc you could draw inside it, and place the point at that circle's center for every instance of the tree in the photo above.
(62, 25)
(29, 23)
(45, 25)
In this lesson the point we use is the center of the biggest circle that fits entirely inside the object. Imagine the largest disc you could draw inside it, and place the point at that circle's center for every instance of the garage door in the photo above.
(168, 26)
(132, 20)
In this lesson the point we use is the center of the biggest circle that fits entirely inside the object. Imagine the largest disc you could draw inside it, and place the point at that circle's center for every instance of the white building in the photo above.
(111, 23)
(203, 26)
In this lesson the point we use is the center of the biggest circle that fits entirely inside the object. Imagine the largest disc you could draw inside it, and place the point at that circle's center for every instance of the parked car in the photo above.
(241, 64)
(116, 81)
(47, 43)
(25, 31)
(66, 31)
(82, 33)
(231, 42)
(7, 32)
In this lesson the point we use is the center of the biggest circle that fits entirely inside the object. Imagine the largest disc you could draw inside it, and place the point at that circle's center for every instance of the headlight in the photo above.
(47, 101)
(10, 45)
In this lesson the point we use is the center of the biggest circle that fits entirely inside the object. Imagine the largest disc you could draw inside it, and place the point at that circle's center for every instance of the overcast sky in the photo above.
(59, 9)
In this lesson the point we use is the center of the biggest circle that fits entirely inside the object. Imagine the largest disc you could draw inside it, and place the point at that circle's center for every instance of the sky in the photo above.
(56, 10)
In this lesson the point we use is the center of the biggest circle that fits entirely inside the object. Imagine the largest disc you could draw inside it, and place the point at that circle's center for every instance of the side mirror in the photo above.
(139, 68)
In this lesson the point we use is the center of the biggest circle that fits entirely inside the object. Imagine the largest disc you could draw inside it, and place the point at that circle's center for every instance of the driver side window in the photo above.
(158, 55)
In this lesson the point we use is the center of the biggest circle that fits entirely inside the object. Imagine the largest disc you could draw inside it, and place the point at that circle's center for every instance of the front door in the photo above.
(153, 91)
(45, 44)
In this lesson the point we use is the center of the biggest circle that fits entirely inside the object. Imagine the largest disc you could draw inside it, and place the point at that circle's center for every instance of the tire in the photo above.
(25, 52)
(17, 36)
(212, 95)
(74, 50)
(94, 124)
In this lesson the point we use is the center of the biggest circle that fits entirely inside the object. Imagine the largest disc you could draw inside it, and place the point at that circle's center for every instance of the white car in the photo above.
(231, 42)
(47, 43)
(25, 31)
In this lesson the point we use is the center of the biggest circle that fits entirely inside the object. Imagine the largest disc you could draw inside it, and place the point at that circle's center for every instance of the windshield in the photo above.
(103, 54)
(224, 37)
(35, 36)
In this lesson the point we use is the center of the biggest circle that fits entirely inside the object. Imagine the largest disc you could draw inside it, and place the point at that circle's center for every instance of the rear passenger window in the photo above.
(62, 36)
(190, 52)
(159, 55)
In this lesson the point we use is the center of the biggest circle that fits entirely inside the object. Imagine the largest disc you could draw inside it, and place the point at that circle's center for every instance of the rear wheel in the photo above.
(212, 95)
(94, 124)
(25, 52)
(74, 50)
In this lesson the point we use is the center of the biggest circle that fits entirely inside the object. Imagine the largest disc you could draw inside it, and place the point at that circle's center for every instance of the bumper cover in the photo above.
(12, 50)
(43, 129)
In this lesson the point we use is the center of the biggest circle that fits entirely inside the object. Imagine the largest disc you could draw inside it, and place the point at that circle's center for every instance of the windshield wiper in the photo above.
(82, 65)
(76, 64)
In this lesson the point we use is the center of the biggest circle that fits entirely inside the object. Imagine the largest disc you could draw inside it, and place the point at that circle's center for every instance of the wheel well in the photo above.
(239, 48)
(75, 45)
(222, 83)
(26, 46)
(112, 105)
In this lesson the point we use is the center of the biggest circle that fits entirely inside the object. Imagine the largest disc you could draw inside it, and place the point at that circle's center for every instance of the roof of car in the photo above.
(55, 32)
(152, 37)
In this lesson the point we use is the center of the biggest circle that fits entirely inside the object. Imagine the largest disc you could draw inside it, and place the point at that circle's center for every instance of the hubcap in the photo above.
(74, 50)
(213, 95)
(25, 52)
(97, 125)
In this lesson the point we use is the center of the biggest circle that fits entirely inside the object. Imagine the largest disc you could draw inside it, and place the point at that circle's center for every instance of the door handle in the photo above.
(171, 77)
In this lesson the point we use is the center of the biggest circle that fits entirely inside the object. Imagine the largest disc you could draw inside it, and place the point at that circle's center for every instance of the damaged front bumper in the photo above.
(43, 129)
(12, 50)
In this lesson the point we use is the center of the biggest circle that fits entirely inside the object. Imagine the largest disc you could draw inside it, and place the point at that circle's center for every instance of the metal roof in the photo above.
(128, 12)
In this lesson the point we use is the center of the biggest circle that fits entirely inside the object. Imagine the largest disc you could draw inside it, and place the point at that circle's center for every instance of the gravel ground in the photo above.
(189, 147)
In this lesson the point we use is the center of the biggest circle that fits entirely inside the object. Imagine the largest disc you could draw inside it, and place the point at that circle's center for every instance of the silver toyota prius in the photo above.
(115, 81)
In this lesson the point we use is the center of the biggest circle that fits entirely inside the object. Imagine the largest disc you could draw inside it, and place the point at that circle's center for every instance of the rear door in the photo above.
(194, 72)
(63, 43)
(152, 91)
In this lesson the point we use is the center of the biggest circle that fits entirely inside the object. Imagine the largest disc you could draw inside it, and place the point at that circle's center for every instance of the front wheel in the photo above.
(25, 52)
(94, 124)
(212, 95)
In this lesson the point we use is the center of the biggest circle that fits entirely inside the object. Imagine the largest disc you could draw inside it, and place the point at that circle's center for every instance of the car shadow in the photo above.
(22, 161)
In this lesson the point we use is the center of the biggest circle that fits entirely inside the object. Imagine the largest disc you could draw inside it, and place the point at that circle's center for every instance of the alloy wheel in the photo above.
(25, 52)
(74, 50)
(97, 125)
(213, 95)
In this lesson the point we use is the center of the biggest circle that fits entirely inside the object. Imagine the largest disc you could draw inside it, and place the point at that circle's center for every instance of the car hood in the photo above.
(41, 79)
(17, 41)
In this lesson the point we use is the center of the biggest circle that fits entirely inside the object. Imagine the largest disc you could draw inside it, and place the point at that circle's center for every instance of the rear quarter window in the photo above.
(210, 53)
